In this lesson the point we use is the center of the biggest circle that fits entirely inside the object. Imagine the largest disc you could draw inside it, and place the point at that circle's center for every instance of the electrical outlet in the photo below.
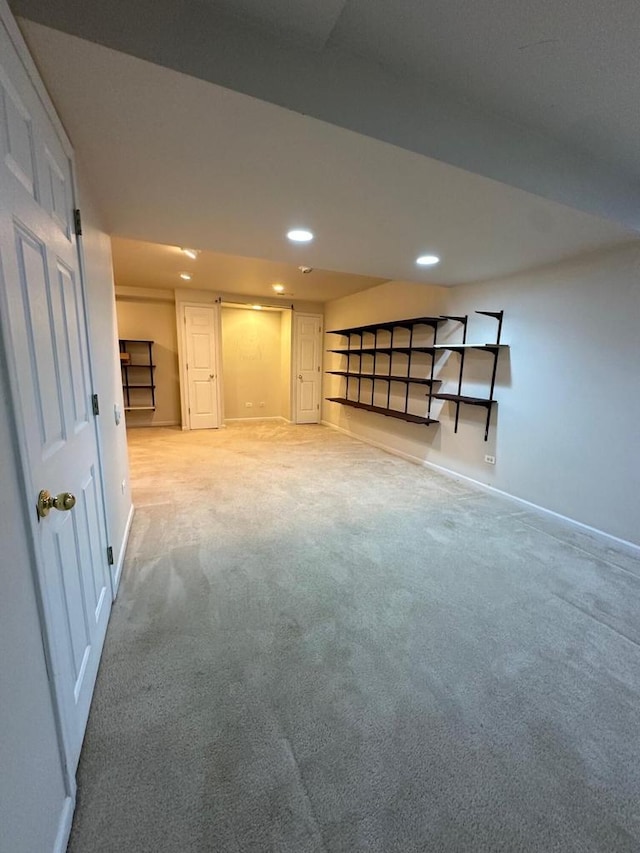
(490, 459)
(248, 405)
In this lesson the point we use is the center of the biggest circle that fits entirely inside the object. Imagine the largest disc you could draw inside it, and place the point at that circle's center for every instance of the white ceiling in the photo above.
(569, 68)
(308, 20)
(178, 161)
(538, 94)
(140, 264)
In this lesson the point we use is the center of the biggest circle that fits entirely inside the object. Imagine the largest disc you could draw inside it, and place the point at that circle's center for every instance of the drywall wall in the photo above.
(286, 319)
(565, 434)
(251, 363)
(154, 318)
(105, 365)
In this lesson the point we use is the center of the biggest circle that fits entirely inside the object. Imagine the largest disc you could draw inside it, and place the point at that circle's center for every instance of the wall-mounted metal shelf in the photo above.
(381, 410)
(493, 348)
(366, 379)
(137, 368)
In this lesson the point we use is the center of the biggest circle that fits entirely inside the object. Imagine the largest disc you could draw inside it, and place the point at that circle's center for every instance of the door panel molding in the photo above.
(33, 441)
(181, 305)
(306, 373)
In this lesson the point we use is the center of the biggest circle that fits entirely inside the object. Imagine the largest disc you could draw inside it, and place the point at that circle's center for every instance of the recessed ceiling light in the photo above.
(427, 260)
(279, 288)
(185, 276)
(300, 235)
(257, 307)
(191, 253)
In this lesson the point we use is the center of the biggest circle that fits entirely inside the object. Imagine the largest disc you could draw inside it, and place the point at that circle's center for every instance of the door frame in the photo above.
(25, 473)
(294, 362)
(181, 322)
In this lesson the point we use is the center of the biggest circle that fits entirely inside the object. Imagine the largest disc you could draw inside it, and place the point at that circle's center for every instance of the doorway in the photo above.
(256, 362)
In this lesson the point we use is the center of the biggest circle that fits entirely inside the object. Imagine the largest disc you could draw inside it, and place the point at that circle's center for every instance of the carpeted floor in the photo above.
(321, 647)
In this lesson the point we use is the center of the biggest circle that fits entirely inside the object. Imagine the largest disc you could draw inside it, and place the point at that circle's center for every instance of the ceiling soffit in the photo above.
(351, 91)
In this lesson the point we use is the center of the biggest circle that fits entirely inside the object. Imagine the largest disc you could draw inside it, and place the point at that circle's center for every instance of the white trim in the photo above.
(64, 825)
(266, 418)
(609, 537)
(295, 370)
(125, 293)
(154, 424)
(183, 379)
(117, 573)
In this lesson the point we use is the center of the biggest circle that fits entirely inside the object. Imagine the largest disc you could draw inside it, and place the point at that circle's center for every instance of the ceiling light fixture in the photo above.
(427, 260)
(185, 276)
(279, 288)
(300, 235)
(257, 307)
(305, 270)
(191, 253)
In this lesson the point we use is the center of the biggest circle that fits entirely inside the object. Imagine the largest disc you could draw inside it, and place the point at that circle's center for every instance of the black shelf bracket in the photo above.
(464, 321)
(494, 349)
(497, 315)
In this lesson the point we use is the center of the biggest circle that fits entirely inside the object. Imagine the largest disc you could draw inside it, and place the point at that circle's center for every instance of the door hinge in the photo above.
(110, 555)
(95, 405)
(77, 222)
(318, 406)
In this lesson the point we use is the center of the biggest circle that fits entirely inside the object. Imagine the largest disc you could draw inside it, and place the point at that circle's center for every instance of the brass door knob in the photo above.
(64, 502)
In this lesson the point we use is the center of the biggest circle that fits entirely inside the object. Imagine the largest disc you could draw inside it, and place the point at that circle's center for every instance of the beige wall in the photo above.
(154, 319)
(251, 363)
(285, 364)
(566, 432)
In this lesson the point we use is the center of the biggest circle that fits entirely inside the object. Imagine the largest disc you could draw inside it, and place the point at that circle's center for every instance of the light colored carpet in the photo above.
(321, 647)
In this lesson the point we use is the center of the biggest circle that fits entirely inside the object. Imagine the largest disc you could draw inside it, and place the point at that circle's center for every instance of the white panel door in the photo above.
(45, 342)
(202, 374)
(308, 364)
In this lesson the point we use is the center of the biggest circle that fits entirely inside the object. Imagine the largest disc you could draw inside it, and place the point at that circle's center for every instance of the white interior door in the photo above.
(307, 367)
(45, 342)
(202, 373)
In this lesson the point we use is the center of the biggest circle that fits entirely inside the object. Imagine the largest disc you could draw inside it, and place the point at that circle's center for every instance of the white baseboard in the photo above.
(154, 424)
(64, 825)
(123, 548)
(248, 420)
(614, 540)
